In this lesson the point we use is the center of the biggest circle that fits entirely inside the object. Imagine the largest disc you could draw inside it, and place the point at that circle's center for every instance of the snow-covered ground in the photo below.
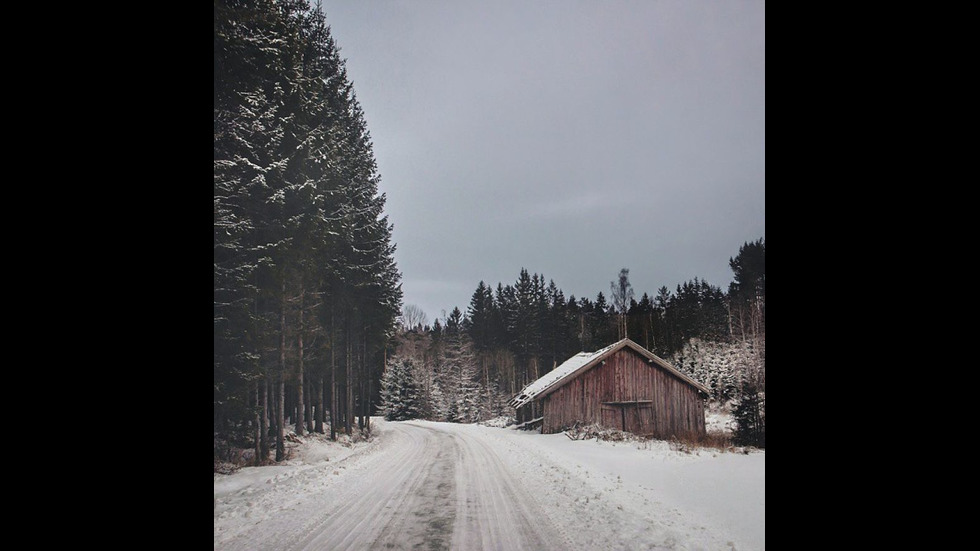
(638, 495)
(314, 451)
(449, 486)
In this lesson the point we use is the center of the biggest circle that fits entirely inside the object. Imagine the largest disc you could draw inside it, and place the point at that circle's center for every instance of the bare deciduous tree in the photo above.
(412, 317)
(622, 295)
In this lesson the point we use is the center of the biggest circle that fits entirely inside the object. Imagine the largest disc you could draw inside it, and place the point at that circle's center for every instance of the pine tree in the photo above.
(747, 307)
(575, 321)
(249, 89)
(559, 340)
(479, 326)
(750, 417)
(454, 322)
(603, 324)
(586, 323)
(458, 373)
(467, 407)
(436, 403)
(642, 321)
(523, 326)
(747, 291)
(400, 391)
(302, 249)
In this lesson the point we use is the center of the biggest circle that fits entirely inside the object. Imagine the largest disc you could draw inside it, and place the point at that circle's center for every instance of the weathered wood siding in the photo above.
(667, 406)
(529, 411)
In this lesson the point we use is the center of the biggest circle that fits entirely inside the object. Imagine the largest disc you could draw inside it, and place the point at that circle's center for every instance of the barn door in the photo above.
(631, 419)
(620, 416)
(644, 419)
(612, 416)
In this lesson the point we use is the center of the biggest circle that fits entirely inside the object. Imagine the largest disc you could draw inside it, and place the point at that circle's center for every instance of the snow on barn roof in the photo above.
(557, 374)
(582, 361)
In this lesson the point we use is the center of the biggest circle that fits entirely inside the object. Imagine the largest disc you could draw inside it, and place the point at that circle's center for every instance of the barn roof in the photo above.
(582, 362)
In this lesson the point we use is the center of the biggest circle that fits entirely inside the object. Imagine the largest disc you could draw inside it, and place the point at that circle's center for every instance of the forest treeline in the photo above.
(466, 367)
(306, 290)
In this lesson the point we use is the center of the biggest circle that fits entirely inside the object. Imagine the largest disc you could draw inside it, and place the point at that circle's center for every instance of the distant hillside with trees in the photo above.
(467, 366)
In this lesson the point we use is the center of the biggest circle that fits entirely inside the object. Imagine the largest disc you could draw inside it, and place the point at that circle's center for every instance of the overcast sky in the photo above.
(569, 138)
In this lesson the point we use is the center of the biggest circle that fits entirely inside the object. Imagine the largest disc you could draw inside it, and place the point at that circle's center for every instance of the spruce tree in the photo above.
(302, 249)
(750, 417)
(642, 320)
(480, 318)
(747, 291)
(458, 373)
(400, 391)
(603, 323)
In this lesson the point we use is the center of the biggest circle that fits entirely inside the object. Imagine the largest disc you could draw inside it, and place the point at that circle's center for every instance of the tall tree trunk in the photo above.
(264, 451)
(731, 331)
(367, 420)
(486, 383)
(273, 409)
(300, 386)
(309, 405)
(333, 379)
(361, 368)
(333, 398)
(349, 388)
(261, 402)
(258, 428)
(281, 406)
(281, 420)
(649, 330)
(319, 404)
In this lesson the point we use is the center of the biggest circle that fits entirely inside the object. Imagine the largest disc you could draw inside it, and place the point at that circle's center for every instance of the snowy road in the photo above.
(427, 489)
(426, 485)
(439, 490)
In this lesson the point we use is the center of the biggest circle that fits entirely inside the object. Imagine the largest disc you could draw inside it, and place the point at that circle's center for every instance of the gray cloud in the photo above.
(570, 138)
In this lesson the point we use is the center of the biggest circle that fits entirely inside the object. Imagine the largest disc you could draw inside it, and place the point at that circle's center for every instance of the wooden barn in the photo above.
(623, 386)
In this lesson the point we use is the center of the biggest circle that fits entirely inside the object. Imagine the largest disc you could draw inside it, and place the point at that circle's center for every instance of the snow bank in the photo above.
(313, 449)
(255, 494)
(498, 422)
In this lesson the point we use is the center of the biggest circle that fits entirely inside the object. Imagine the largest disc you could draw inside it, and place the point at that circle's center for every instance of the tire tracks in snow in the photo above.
(406, 501)
(422, 486)
(497, 512)
(445, 490)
